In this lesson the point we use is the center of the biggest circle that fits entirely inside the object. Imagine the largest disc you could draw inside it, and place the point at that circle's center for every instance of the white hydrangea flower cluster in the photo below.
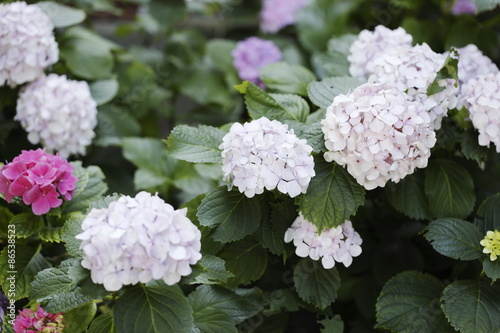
(412, 70)
(378, 134)
(372, 44)
(138, 240)
(59, 113)
(27, 43)
(266, 154)
(481, 96)
(338, 244)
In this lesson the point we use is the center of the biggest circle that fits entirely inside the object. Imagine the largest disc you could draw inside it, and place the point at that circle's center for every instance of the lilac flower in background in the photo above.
(58, 113)
(27, 43)
(29, 321)
(464, 7)
(138, 240)
(252, 54)
(276, 14)
(333, 245)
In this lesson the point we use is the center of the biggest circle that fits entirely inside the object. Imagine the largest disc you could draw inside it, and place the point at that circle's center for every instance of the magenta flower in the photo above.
(252, 54)
(464, 7)
(39, 178)
(29, 321)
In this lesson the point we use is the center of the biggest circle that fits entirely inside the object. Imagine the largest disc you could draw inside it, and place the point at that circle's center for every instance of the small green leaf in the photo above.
(323, 92)
(230, 213)
(314, 284)
(448, 71)
(287, 78)
(71, 228)
(408, 196)
(472, 306)
(335, 191)
(455, 238)
(449, 189)
(196, 144)
(492, 268)
(219, 52)
(103, 324)
(51, 234)
(103, 91)
(294, 104)
(90, 187)
(77, 320)
(27, 224)
(488, 214)
(114, 123)
(209, 270)
(471, 148)
(143, 309)
(60, 15)
(409, 303)
(246, 259)
(272, 231)
(332, 325)
(312, 133)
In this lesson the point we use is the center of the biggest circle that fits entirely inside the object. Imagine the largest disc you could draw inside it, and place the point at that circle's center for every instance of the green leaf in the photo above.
(287, 78)
(114, 123)
(488, 214)
(409, 303)
(312, 133)
(230, 213)
(209, 270)
(272, 231)
(208, 316)
(472, 306)
(219, 52)
(90, 187)
(485, 5)
(471, 148)
(332, 325)
(449, 189)
(334, 62)
(261, 104)
(408, 196)
(455, 238)
(314, 284)
(196, 144)
(77, 320)
(71, 228)
(448, 71)
(246, 259)
(103, 91)
(492, 268)
(335, 191)
(27, 224)
(5, 218)
(60, 15)
(51, 234)
(240, 304)
(103, 324)
(143, 309)
(323, 92)
(20, 265)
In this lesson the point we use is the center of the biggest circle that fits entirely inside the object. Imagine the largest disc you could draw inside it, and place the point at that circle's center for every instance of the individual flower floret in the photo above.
(372, 44)
(27, 44)
(40, 321)
(413, 70)
(138, 240)
(491, 243)
(266, 154)
(481, 96)
(464, 7)
(378, 134)
(338, 244)
(58, 113)
(39, 178)
(277, 14)
(252, 54)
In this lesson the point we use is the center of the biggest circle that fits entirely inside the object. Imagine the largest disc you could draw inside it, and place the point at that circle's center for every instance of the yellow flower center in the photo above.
(491, 243)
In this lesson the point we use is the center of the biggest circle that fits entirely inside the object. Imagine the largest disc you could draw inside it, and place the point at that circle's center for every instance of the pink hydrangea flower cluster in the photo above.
(340, 244)
(39, 178)
(378, 134)
(464, 7)
(251, 55)
(29, 321)
(277, 14)
(138, 240)
(266, 154)
(27, 43)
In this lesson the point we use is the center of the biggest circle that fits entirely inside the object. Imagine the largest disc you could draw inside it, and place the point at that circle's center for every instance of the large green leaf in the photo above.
(287, 78)
(272, 231)
(472, 306)
(409, 303)
(196, 144)
(455, 238)
(246, 258)
(408, 196)
(314, 284)
(294, 104)
(230, 213)
(488, 214)
(334, 62)
(103, 91)
(114, 123)
(27, 224)
(71, 228)
(103, 324)
(335, 191)
(449, 189)
(209, 270)
(143, 309)
(323, 92)
(60, 15)
(77, 320)
(492, 268)
(90, 187)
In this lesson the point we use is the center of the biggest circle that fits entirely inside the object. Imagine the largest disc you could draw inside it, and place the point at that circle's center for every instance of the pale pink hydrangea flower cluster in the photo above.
(250, 55)
(378, 134)
(277, 14)
(58, 113)
(138, 240)
(481, 96)
(27, 43)
(338, 244)
(39, 178)
(266, 154)
(29, 321)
